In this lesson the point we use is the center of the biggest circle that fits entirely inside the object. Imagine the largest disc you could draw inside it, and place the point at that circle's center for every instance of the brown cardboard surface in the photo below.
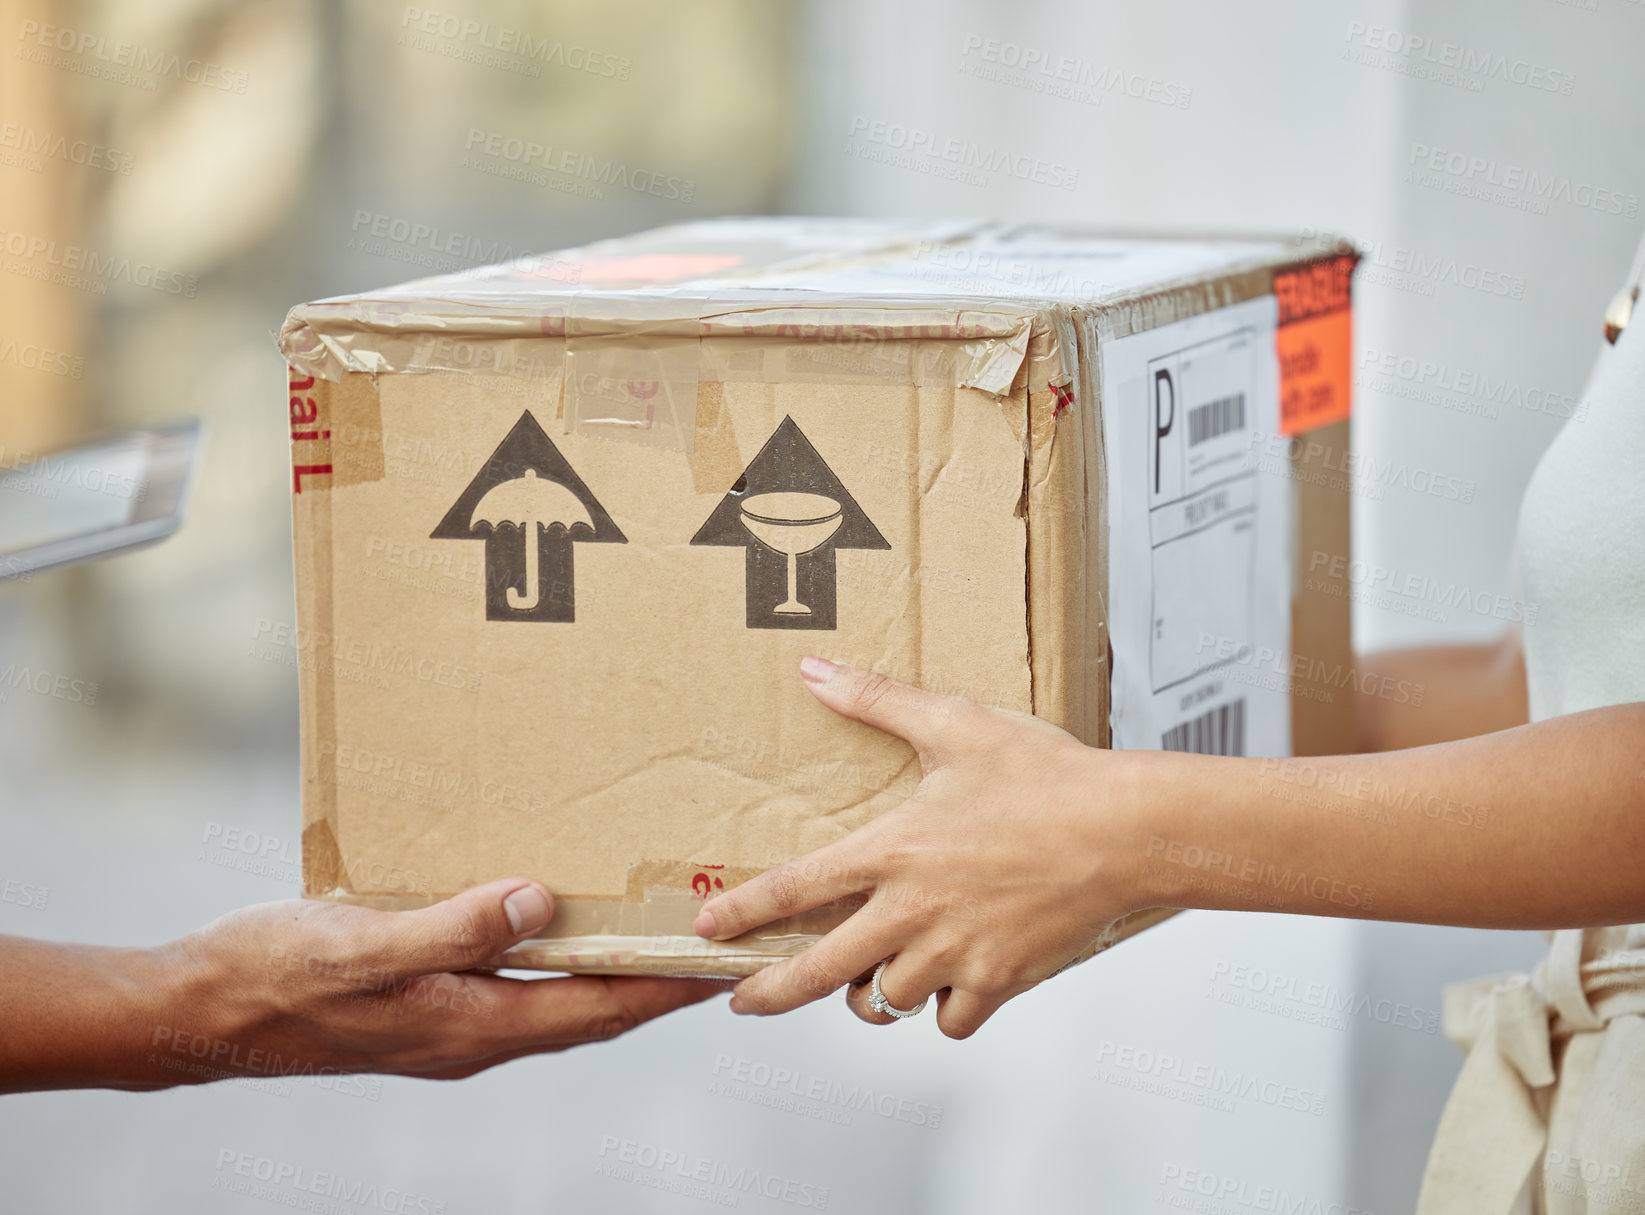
(638, 745)
(1322, 709)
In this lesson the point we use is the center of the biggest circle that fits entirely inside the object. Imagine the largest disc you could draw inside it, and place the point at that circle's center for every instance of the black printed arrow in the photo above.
(791, 514)
(529, 506)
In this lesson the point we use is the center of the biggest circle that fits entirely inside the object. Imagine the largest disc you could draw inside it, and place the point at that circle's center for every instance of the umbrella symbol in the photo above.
(551, 507)
(531, 503)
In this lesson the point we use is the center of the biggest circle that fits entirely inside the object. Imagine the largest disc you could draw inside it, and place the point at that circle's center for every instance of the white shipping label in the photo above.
(1199, 584)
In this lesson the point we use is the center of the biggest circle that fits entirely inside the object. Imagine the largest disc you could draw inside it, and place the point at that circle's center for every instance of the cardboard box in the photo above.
(565, 527)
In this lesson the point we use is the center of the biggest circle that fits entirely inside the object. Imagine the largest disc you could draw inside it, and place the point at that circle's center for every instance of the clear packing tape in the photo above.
(620, 333)
(628, 365)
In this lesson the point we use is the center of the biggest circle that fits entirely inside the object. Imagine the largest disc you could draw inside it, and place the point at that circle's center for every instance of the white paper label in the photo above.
(1199, 585)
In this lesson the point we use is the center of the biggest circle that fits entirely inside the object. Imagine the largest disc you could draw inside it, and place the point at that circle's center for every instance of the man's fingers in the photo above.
(880, 701)
(821, 970)
(462, 1071)
(465, 930)
(546, 1014)
(454, 1025)
(814, 879)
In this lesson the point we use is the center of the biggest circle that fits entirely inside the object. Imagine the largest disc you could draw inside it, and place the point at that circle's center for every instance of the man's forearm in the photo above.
(1537, 827)
(81, 1016)
(309, 988)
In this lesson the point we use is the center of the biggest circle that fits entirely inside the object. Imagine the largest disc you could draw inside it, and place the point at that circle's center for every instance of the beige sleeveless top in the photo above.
(1548, 1115)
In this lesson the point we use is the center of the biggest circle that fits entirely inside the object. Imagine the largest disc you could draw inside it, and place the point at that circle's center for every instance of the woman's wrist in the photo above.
(1148, 805)
(1127, 817)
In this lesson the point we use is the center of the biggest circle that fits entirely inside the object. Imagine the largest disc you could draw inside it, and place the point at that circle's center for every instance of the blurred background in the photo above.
(256, 154)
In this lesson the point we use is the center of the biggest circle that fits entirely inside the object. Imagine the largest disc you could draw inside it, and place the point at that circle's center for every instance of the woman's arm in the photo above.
(1020, 845)
(1466, 690)
(1540, 826)
(305, 989)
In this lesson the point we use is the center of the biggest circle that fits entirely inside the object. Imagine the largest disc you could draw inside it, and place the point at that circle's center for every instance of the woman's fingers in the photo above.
(912, 714)
(1003, 777)
(814, 879)
(855, 946)
(908, 979)
(962, 1013)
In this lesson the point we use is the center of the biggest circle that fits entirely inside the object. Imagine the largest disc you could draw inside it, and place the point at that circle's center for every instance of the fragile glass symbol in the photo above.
(792, 524)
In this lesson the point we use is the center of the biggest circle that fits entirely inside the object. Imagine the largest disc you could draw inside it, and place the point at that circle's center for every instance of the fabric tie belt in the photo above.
(1513, 1102)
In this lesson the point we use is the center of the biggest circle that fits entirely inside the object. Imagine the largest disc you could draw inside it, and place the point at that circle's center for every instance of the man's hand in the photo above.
(303, 988)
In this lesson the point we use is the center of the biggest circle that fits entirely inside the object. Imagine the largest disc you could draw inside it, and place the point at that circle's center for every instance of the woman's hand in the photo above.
(309, 988)
(1020, 845)
(996, 873)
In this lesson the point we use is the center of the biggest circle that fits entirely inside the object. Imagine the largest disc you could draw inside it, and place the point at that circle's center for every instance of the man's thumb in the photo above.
(470, 928)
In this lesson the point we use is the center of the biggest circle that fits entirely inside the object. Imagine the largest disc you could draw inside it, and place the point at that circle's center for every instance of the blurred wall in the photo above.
(327, 147)
(42, 364)
(1498, 366)
(1477, 313)
(1467, 375)
(338, 146)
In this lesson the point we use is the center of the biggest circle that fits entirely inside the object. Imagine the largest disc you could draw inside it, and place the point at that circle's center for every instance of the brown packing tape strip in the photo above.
(1053, 473)
(1098, 664)
(713, 458)
(323, 867)
(322, 858)
(1321, 714)
(344, 443)
(356, 426)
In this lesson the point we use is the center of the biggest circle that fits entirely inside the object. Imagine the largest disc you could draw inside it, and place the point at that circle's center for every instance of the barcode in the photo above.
(1215, 418)
(1221, 731)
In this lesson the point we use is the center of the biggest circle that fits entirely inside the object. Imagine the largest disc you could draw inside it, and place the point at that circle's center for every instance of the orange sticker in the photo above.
(1315, 343)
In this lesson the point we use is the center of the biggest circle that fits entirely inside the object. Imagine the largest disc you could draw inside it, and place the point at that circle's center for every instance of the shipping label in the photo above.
(1199, 540)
